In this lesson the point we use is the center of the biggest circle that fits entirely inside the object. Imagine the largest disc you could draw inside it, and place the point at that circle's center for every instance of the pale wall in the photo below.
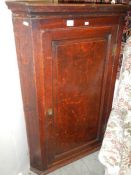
(13, 141)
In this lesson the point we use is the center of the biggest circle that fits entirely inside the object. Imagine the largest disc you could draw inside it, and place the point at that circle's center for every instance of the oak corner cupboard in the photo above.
(67, 55)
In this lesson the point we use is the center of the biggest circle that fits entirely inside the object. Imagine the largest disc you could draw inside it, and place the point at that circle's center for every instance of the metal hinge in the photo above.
(114, 50)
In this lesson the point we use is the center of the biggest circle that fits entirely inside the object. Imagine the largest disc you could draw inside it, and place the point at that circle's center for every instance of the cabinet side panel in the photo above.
(114, 67)
(27, 78)
(116, 57)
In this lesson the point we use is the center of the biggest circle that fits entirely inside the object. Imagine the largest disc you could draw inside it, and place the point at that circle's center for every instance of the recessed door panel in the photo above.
(79, 74)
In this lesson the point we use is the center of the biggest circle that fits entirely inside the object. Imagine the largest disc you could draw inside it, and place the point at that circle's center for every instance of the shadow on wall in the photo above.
(13, 142)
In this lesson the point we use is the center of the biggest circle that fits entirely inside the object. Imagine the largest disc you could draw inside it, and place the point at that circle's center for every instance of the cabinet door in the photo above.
(77, 63)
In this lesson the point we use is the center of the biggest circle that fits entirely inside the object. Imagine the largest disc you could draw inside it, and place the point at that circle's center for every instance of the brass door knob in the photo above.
(50, 112)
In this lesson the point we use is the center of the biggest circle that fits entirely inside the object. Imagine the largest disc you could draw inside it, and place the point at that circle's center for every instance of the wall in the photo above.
(13, 141)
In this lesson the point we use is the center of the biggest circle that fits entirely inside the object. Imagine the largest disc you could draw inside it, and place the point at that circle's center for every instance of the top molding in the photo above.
(41, 7)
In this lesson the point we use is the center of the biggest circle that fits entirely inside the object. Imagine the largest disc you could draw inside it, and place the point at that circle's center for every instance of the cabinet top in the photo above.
(53, 6)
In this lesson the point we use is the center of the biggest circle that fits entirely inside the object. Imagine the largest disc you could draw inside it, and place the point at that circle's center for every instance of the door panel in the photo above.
(79, 80)
(75, 61)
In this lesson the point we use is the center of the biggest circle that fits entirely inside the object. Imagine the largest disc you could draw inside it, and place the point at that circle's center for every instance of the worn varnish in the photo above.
(67, 76)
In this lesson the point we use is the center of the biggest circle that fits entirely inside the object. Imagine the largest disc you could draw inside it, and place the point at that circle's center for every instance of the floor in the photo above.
(88, 165)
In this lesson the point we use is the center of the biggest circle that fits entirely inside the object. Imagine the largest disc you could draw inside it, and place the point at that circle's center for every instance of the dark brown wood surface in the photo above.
(33, 7)
(67, 76)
